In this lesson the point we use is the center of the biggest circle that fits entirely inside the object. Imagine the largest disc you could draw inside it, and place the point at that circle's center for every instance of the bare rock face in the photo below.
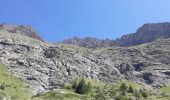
(44, 66)
(21, 29)
(146, 33)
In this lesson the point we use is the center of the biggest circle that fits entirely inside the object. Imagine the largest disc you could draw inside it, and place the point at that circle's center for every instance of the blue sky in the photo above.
(56, 20)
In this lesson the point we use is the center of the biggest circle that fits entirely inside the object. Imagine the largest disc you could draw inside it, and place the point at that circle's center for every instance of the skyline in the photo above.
(57, 20)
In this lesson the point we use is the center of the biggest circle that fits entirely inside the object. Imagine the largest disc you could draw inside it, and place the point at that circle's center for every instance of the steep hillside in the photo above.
(44, 66)
(146, 33)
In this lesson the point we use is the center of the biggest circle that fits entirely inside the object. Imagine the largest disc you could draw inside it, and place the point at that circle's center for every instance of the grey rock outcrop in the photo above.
(146, 33)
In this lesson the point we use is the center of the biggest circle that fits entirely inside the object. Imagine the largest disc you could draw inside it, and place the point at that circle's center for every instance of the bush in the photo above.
(100, 95)
(123, 88)
(130, 90)
(144, 93)
(112, 92)
(2, 87)
(82, 87)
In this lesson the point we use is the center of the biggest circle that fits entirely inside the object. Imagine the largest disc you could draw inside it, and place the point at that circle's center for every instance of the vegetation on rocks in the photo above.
(11, 87)
(101, 91)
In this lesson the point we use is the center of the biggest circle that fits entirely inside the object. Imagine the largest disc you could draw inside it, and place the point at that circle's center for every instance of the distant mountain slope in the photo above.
(146, 33)
(21, 29)
(90, 42)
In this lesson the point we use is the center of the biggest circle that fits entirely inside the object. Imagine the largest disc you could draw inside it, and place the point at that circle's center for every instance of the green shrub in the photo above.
(112, 92)
(80, 89)
(144, 93)
(100, 95)
(2, 87)
(123, 89)
(83, 87)
(130, 90)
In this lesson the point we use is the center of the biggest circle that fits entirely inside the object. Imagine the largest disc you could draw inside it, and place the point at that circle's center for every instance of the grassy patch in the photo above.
(61, 94)
(12, 87)
(128, 83)
(103, 91)
(165, 91)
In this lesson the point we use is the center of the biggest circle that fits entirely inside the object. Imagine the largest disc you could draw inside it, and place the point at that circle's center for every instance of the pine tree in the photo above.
(81, 87)
(130, 90)
(123, 88)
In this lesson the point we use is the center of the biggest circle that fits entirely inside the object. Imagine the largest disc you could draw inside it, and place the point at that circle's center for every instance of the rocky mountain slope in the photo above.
(43, 66)
(146, 33)
(21, 29)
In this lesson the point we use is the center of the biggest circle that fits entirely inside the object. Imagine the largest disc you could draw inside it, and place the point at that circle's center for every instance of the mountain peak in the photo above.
(21, 29)
(147, 33)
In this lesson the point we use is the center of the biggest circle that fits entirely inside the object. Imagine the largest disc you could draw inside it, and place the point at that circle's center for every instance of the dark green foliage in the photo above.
(2, 87)
(144, 93)
(112, 92)
(100, 95)
(130, 90)
(82, 87)
(123, 89)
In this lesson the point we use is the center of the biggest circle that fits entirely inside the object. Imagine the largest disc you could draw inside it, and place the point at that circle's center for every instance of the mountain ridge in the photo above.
(147, 33)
